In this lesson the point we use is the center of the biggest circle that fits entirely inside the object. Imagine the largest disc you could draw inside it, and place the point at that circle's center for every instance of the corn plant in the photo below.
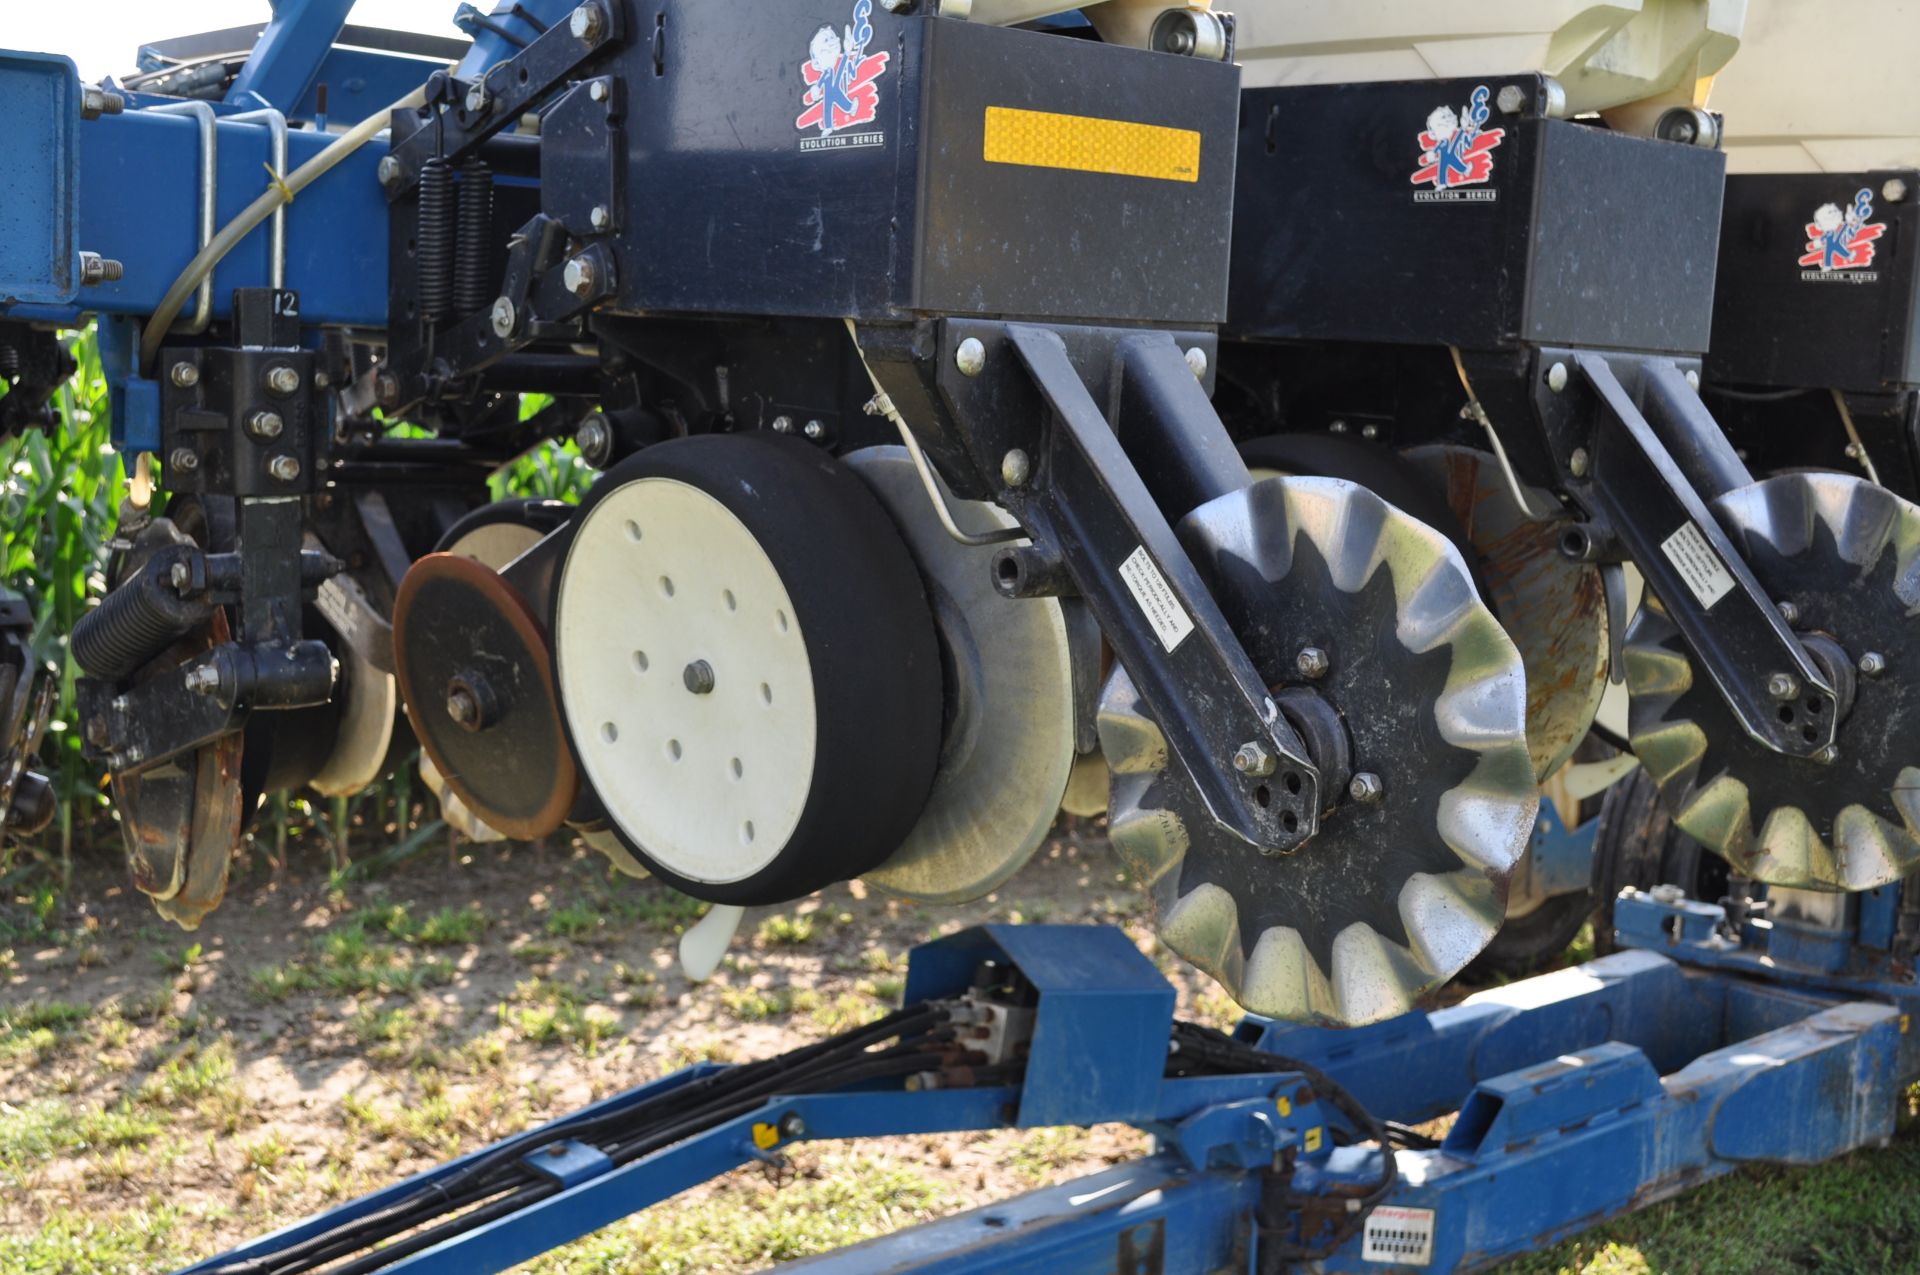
(59, 496)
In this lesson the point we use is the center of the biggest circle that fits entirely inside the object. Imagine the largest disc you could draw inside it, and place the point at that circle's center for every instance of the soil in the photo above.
(355, 1110)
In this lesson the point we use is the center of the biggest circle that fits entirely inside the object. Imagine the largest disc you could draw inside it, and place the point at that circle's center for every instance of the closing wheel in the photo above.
(475, 670)
(493, 536)
(1842, 557)
(747, 666)
(1008, 744)
(1339, 595)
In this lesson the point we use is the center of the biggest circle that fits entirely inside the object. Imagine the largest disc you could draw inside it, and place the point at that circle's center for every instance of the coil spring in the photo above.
(473, 261)
(10, 362)
(136, 622)
(433, 240)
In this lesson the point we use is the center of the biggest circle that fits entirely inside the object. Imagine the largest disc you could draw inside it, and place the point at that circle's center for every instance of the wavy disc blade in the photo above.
(1393, 897)
(1846, 555)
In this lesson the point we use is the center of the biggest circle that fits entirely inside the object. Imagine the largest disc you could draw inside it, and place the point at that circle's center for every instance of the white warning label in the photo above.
(1402, 1237)
(1150, 589)
(1687, 549)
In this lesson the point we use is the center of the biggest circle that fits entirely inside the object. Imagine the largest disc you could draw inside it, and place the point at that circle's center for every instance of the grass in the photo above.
(786, 930)
(354, 956)
(46, 1128)
(1856, 1214)
(99, 1242)
(31, 1029)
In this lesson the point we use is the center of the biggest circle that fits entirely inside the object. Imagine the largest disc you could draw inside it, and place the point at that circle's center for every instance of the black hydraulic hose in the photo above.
(351, 1237)
(532, 1193)
(720, 1113)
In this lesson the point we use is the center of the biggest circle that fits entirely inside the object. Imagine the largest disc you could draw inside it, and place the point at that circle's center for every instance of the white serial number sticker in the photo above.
(1169, 619)
(1687, 549)
(1402, 1237)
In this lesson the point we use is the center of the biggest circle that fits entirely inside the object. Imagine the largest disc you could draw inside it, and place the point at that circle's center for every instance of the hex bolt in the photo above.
(1579, 462)
(1828, 755)
(1181, 42)
(95, 268)
(597, 90)
(599, 217)
(1366, 788)
(1015, 468)
(1557, 377)
(698, 677)
(1197, 360)
(1872, 664)
(203, 679)
(184, 374)
(503, 317)
(463, 707)
(386, 388)
(283, 378)
(587, 22)
(896, 6)
(1338, 427)
(595, 440)
(1667, 894)
(1693, 379)
(1253, 759)
(815, 431)
(96, 101)
(1783, 686)
(1312, 663)
(971, 357)
(1512, 99)
(184, 459)
(578, 275)
(783, 424)
(1789, 612)
(792, 1126)
(1894, 190)
(284, 469)
(1369, 432)
(181, 577)
(478, 98)
(265, 424)
(388, 171)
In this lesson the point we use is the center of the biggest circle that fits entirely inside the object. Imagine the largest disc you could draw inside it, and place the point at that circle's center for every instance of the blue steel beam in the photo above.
(1155, 1215)
(289, 52)
(1417, 1066)
(1550, 1150)
(135, 199)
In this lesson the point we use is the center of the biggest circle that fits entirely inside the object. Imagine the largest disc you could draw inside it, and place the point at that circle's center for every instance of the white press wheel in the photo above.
(747, 667)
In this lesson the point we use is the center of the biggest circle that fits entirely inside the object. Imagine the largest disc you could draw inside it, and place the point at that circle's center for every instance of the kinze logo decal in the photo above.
(1838, 242)
(843, 85)
(1457, 153)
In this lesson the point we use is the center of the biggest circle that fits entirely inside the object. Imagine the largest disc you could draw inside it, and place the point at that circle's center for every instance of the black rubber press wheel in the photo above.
(748, 667)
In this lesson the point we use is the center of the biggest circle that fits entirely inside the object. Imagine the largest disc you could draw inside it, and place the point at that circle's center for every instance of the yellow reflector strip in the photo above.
(1039, 139)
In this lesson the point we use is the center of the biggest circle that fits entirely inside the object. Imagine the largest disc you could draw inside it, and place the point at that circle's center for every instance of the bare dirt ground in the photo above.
(169, 1094)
